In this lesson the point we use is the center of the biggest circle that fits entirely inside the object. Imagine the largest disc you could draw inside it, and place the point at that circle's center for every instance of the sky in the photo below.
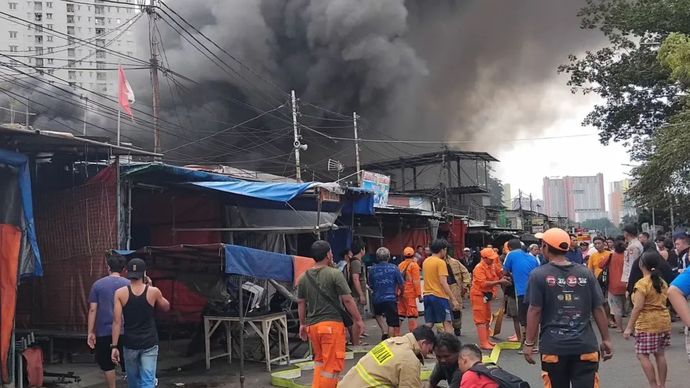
(524, 164)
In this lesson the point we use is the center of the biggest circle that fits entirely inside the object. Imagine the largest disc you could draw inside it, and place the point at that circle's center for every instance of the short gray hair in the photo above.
(533, 246)
(383, 254)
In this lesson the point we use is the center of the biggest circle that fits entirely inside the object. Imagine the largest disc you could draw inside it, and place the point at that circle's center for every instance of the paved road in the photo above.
(623, 371)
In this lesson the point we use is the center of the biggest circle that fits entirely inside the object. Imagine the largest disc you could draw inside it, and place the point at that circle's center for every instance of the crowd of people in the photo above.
(556, 291)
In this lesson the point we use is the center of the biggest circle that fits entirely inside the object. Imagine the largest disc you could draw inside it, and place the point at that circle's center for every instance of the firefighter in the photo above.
(395, 362)
(459, 282)
(485, 278)
(412, 289)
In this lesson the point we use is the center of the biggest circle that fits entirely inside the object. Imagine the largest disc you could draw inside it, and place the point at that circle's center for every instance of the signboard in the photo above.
(378, 183)
(537, 229)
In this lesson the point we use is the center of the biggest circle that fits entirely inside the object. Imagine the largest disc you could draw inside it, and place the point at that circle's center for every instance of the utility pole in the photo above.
(297, 144)
(359, 171)
(27, 112)
(86, 103)
(153, 46)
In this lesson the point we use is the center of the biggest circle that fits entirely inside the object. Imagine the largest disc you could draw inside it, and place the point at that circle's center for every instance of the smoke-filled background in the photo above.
(476, 70)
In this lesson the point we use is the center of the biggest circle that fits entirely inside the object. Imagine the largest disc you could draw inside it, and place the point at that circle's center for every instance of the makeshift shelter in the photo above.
(19, 254)
(224, 259)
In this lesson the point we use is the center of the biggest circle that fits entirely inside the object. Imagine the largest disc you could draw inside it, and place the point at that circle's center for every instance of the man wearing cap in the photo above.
(412, 289)
(136, 304)
(100, 320)
(485, 278)
(563, 297)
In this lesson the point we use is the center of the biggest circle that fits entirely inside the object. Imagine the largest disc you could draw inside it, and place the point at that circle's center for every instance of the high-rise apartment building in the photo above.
(619, 203)
(69, 40)
(579, 198)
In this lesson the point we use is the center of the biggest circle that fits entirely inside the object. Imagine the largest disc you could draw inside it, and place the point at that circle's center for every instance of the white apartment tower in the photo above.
(70, 40)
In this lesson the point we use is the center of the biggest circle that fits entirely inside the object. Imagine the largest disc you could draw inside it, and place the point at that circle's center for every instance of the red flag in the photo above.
(125, 93)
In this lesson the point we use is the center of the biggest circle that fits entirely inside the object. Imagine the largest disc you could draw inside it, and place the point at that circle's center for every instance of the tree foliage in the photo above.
(603, 225)
(638, 91)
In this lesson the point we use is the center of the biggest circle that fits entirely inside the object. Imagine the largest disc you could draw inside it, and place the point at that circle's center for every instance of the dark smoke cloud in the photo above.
(416, 69)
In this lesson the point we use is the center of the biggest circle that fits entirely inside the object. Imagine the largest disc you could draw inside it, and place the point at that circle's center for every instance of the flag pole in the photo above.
(118, 124)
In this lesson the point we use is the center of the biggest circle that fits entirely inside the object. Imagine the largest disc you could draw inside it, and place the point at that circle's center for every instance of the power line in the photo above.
(227, 129)
(12, 18)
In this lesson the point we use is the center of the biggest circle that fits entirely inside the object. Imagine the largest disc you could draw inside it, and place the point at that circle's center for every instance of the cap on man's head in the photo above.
(136, 269)
(557, 239)
(408, 252)
(680, 234)
(488, 253)
(467, 250)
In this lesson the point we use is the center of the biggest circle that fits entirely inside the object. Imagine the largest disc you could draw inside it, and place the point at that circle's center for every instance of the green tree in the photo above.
(603, 225)
(638, 91)
(663, 178)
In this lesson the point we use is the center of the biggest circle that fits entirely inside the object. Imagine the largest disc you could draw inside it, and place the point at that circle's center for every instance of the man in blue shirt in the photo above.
(386, 283)
(100, 318)
(574, 254)
(519, 264)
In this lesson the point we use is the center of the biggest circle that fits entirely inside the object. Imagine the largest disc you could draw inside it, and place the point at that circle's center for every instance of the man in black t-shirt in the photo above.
(563, 297)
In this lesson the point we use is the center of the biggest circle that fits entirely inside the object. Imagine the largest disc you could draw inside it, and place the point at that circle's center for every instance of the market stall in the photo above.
(223, 261)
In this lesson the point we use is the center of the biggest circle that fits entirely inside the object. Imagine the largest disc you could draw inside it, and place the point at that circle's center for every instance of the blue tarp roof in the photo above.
(257, 263)
(281, 192)
(238, 260)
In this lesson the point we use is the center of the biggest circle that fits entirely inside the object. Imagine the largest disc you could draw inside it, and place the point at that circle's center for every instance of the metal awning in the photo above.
(35, 141)
(427, 159)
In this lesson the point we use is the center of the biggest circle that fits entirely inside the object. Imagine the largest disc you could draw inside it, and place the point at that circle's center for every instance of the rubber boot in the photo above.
(411, 324)
(483, 334)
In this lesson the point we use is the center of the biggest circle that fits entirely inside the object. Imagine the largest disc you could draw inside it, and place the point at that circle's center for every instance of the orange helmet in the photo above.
(557, 238)
(488, 253)
(408, 252)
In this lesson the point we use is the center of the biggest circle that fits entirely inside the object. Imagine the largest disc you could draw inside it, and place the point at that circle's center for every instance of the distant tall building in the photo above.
(507, 196)
(619, 203)
(75, 41)
(579, 198)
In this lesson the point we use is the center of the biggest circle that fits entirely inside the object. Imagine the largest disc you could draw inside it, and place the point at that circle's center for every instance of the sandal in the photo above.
(612, 325)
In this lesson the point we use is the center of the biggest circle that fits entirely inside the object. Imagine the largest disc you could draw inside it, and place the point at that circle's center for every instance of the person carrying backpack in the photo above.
(475, 374)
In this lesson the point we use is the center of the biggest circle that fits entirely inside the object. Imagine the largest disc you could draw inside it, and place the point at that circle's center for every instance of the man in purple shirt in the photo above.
(101, 301)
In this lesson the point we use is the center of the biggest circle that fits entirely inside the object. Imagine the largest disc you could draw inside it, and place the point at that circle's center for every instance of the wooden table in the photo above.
(261, 324)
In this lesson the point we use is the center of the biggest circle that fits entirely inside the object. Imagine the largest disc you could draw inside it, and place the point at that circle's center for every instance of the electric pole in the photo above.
(297, 143)
(153, 46)
(357, 163)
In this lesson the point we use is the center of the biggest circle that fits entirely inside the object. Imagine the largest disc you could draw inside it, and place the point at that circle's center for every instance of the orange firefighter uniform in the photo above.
(483, 273)
(412, 289)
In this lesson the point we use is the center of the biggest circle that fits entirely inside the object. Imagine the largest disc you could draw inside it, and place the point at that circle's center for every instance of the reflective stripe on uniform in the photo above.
(329, 375)
(368, 379)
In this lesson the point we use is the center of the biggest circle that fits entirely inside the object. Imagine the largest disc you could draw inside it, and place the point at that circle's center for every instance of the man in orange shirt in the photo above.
(437, 294)
(412, 290)
(485, 278)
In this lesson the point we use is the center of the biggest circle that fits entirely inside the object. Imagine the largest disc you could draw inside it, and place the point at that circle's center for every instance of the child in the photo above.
(651, 319)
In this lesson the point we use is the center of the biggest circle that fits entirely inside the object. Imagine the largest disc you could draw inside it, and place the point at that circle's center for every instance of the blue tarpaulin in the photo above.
(257, 263)
(280, 192)
(20, 162)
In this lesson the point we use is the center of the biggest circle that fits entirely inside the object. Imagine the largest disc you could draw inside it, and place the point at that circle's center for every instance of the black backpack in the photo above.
(501, 377)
